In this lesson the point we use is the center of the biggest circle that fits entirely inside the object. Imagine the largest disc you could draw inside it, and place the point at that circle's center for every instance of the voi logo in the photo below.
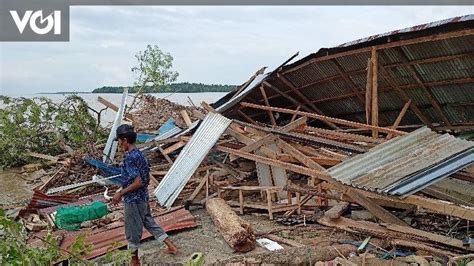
(53, 21)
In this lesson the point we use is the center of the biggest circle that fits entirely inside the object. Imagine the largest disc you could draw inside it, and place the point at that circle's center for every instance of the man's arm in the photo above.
(137, 184)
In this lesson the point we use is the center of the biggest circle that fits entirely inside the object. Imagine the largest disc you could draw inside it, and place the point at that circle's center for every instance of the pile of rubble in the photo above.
(153, 112)
(390, 195)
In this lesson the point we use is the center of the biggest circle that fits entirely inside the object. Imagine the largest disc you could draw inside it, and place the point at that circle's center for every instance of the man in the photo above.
(135, 173)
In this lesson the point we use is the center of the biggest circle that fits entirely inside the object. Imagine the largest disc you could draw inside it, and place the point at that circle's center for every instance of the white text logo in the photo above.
(53, 21)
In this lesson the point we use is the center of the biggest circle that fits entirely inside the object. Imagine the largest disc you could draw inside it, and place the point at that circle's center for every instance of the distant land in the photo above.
(184, 87)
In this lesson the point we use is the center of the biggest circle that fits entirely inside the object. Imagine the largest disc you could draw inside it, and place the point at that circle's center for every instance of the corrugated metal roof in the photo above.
(190, 158)
(405, 164)
(410, 29)
(446, 63)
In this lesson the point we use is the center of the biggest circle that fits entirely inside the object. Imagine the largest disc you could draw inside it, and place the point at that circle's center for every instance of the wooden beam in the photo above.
(164, 155)
(431, 60)
(368, 91)
(113, 107)
(246, 117)
(323, 118)
(337, 210)
(429, 205)
(309, 138)
(431, 236)
(186, 118)
(405, 97)
(429, 38)
(348, 80)
(199, 187)
(291, 99)
(297, 92)
(301, 157)
(174, 147)
(375, 209)
(426, 90)
(374, 108)
(400, 117)
(343, 135)
(293, 117)
(270, 114)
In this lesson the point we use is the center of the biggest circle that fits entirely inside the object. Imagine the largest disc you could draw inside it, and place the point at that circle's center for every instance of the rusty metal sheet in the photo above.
(102, 240)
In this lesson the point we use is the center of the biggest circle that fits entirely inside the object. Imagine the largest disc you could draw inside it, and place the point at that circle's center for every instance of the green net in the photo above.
(70, 218)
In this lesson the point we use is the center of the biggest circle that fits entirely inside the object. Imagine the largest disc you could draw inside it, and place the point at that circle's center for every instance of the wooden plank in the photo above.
(337, 210)
(343, 135)
(429, 205)
(270, 114)
(199, 187)
(270, 137)
(293, 117)
(43, 156)
(420, 246)
(307, 161)
(113, 107)
(291, 99)
(323, 118)
(400, 117)
(374, 93)
(373, 229)
(246, 117)
(292, 167)
(285, 241)
(164, 155)
(174, 147)
(431, 236)
(373, 207)
(186, 118)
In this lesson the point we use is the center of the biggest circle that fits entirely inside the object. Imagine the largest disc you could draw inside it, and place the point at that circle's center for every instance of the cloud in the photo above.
(209, 44)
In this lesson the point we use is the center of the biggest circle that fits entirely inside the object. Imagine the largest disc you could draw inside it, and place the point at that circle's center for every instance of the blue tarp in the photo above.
(168, 125)
(107, 169)
(142, 137)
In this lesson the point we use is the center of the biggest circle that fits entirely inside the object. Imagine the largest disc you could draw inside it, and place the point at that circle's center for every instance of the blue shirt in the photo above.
(135, 165)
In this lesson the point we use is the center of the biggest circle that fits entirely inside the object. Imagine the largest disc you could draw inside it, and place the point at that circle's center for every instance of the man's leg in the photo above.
(133, 229)
(154, 229)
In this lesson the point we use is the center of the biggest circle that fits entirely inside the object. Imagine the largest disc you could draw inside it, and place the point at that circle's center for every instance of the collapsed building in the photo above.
(382, 123)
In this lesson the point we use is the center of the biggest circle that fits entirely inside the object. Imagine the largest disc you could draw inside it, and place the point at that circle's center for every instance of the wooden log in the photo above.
(236, 232)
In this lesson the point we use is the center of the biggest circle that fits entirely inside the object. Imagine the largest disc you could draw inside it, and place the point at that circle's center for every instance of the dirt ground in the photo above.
(207, 240)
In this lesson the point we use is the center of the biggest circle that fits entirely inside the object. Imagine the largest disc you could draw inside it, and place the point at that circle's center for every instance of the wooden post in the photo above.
(269, 203)
(368, 92)
(270, 114)
(294, 115)
(374, 96)
(241, 201)
(400, 117)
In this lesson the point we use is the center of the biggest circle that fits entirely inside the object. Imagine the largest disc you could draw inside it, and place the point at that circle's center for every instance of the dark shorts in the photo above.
(137, 216)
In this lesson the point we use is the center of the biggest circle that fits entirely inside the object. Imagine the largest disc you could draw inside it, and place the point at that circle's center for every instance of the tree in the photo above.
(154, 68)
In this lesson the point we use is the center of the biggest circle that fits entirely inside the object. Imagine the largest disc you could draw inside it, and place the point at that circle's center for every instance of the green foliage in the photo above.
(15, 251)
(117, 256)
(39, 125)
(184, 87)
(154, 67)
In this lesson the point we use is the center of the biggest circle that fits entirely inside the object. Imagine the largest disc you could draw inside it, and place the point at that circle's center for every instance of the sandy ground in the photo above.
(207, 240)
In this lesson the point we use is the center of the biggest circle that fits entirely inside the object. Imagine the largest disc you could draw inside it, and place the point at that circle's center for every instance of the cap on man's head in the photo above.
(124, 131)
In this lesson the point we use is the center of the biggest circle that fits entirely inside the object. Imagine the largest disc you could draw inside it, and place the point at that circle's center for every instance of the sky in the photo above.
(213, 45)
